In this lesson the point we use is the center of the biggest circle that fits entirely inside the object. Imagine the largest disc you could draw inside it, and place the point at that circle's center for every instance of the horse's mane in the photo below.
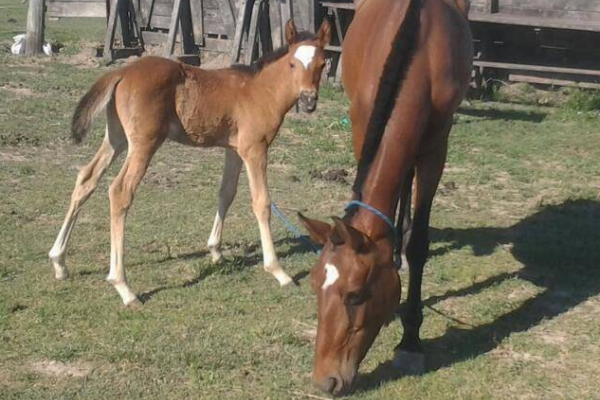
(271, 57)
(394, 72)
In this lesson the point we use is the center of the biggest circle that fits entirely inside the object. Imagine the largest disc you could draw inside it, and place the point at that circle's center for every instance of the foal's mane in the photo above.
(271, 57)
(394, 72)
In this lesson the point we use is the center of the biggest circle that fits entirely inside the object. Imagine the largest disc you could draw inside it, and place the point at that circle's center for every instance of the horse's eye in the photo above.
(355, 298)
(292, 65)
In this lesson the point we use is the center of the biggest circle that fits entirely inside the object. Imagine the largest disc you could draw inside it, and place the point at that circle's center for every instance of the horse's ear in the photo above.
(318, 231)
(344, 233)
(323, 35)
(290, 32)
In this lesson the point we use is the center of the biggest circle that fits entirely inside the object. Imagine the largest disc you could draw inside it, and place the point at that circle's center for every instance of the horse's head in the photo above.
(306, 58)
(358, 290)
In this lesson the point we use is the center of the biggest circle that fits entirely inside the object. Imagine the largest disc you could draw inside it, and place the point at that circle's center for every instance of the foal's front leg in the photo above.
(229, 183)
(255, 159)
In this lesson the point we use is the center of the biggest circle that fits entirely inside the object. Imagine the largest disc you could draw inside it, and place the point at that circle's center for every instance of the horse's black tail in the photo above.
(390, 84)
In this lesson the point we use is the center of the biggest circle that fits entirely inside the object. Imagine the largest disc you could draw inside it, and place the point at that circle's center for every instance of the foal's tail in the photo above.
(92, 103)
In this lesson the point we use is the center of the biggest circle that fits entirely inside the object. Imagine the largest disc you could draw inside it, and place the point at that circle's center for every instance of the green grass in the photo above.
(512, 288)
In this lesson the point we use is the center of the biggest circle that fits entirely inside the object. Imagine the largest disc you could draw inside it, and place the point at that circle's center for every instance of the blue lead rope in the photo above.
(375, 211)
(292, 228)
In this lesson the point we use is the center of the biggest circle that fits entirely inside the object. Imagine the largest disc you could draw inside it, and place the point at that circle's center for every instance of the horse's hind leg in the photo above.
(87, 181)
(229, 183)
(121, 197)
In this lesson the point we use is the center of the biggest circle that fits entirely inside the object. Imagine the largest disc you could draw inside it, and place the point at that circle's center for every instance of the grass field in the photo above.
(512, 289)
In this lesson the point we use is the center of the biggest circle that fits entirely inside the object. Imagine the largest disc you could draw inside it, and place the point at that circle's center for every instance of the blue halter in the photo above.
(375, 211)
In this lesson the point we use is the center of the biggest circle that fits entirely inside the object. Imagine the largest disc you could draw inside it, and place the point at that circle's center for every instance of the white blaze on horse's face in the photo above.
(331, 275)
(305, 54)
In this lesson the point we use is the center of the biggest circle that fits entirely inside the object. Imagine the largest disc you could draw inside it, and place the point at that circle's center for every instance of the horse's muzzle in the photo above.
(308, 101)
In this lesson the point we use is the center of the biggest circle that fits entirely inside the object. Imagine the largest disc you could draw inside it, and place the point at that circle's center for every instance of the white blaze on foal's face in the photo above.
(331, 275)
(305, 54)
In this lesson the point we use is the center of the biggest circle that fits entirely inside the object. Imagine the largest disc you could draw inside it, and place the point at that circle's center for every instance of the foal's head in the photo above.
(358, 290)
(306, 59)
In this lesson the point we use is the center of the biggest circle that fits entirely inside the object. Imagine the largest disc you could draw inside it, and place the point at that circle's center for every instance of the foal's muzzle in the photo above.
(308, 101)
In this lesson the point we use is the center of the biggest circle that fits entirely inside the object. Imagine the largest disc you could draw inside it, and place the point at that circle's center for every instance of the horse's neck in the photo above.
(381, 190)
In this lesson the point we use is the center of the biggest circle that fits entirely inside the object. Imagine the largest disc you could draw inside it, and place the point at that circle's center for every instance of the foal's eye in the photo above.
(292, 65)
(355, 298)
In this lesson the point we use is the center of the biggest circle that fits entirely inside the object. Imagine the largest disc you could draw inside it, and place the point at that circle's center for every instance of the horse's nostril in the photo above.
(332, 385)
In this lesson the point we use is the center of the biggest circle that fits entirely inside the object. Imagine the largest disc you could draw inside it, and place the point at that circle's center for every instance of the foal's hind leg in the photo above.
(87, 181)
(229, 183)
(121, 196)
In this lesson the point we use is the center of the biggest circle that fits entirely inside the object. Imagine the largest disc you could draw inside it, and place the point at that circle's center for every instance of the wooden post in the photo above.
(35, 28)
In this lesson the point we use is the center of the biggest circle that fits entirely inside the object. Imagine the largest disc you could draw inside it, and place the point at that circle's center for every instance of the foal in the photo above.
(238, 108)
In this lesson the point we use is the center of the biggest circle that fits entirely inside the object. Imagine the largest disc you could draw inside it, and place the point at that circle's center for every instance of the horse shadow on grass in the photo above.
(559, 248)
(496, 114)
(252, 256)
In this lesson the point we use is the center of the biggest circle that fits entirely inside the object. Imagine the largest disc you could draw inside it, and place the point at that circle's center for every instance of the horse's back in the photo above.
(442, 57)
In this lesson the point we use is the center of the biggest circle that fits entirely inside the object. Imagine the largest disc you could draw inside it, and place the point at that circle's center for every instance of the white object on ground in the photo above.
(18, 46)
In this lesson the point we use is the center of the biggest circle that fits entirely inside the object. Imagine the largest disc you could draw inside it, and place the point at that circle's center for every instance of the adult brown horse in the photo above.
(239, 108)
(406, 69)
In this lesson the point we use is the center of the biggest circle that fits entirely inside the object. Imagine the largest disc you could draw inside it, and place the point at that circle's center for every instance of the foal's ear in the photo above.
(290, 32)
(323, 35)
(318, 231)
(346, 234)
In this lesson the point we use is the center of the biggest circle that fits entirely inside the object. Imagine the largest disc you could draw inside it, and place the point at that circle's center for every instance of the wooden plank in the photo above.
(537, 68)
(77, 10)
(187, 30)
(156, 38)
(343, 6)
(218, 45)
(226, 17)
(198, 21)
(111, 29)
(558, 5)
(49, 2)
(173, 27)
(249, 53)
(552, 81)
(35, 28)
(534, 22)
(276, 25)
(239, 30)
(160, 22)
(549, 13)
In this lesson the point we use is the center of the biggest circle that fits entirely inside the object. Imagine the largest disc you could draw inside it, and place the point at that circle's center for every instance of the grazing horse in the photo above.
(238, 108)
(404, 82)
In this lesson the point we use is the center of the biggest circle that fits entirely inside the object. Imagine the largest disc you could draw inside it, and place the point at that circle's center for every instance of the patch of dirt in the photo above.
(20, 90)
(60, 369)
(331, 175)
(86, 58)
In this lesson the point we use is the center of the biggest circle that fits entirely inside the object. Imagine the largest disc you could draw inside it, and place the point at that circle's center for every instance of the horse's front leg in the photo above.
(229, 184)
(255, 160)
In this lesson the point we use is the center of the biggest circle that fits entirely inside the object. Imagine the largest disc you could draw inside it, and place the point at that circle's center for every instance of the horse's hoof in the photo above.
(409, 363)
(133, 305)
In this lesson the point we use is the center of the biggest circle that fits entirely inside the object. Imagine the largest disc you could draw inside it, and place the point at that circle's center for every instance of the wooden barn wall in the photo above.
(580, 10)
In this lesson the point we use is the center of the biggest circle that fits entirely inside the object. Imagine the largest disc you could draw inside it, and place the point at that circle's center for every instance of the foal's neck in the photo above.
(274, 84)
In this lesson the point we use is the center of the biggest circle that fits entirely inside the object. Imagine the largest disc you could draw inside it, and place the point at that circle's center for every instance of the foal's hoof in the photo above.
(409, 363)
(284, 280)
(133, 305)
(61, 275)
